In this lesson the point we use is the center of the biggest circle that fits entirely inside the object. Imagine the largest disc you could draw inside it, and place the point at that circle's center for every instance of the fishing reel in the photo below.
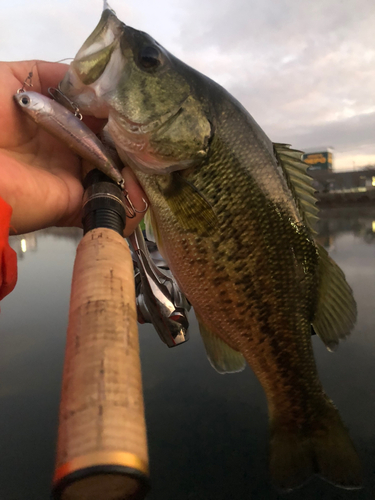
(158, 296)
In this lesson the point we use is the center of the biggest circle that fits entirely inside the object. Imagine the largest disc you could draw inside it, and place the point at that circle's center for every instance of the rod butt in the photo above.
(102, 446)
(102, 481)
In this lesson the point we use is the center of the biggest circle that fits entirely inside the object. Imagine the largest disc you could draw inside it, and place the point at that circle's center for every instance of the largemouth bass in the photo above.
(233, 216)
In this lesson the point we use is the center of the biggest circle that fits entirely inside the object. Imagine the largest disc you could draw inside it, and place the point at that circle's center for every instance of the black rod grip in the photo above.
(103, 203)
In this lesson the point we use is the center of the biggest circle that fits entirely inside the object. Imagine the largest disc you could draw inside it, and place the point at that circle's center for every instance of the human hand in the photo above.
(40, 178)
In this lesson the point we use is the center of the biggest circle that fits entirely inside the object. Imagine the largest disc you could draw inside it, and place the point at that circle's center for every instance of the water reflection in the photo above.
(24, 243)
(207, 433)
(359, 221)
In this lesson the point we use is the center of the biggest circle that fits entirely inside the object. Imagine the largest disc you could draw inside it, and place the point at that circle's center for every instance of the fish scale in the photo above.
(237, 271)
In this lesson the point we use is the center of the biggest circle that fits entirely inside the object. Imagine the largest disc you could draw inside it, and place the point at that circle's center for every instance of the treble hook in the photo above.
(132, 210)
(73, 105)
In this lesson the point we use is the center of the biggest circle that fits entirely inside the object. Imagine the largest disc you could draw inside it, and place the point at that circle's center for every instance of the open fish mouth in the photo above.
(96, 67)
(97, 49)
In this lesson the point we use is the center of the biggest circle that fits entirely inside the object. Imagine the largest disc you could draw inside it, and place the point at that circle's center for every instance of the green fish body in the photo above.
(233, 215)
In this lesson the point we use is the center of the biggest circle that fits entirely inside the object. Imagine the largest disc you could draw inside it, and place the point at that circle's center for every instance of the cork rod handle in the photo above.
(102, 448)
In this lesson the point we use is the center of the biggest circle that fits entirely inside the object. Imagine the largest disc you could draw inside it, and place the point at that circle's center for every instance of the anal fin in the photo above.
(336, 310)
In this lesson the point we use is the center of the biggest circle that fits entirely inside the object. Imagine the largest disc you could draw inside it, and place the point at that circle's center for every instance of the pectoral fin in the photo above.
(336, 310)
(222, 357)
(193, 212)
(149, 227)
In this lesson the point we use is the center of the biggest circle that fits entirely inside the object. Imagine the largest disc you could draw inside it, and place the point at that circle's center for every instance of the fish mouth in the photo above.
(91, 98)
(105, 35)
(96, 67)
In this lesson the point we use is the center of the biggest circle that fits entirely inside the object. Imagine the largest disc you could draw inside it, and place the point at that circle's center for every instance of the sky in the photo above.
(304, 69)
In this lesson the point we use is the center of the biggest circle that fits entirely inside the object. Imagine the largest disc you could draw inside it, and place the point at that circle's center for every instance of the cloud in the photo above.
(53, 30)
(348, 134)
(271, 28)
(304, 70)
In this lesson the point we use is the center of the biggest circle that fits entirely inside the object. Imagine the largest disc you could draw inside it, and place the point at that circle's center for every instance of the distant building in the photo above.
(340, 188)
(320, 159)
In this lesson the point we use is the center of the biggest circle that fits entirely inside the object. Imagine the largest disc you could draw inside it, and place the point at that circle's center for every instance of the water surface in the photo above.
(208, 434)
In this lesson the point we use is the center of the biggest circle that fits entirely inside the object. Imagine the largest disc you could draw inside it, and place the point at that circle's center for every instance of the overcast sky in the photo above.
(305, 69)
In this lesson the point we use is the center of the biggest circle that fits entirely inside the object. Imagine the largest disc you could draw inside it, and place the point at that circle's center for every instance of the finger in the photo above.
(49, 74)
(39, 198)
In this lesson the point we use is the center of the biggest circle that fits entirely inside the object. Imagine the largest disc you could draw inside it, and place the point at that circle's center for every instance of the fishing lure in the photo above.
(64, 125)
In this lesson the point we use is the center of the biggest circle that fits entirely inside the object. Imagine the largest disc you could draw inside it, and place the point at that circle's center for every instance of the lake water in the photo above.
(208, 434)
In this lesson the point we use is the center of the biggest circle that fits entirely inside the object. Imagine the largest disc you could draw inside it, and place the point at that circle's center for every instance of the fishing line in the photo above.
(28, 82)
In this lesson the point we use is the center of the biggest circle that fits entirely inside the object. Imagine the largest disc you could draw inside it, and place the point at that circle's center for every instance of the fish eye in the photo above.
(149, 57)
(25, 100)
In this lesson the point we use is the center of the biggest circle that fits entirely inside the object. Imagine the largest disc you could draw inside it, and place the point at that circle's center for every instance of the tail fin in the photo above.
(325, 449)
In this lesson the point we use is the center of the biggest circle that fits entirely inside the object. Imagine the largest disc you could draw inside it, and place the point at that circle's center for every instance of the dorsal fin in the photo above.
(298, 181)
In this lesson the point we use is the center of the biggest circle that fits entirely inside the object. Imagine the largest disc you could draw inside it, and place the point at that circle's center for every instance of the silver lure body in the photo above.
(65, 126)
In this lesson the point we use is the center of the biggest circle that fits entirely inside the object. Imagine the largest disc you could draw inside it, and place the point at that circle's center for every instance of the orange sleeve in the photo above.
(8, 257)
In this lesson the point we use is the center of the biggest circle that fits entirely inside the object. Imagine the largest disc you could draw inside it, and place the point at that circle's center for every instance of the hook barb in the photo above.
(131, 209)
